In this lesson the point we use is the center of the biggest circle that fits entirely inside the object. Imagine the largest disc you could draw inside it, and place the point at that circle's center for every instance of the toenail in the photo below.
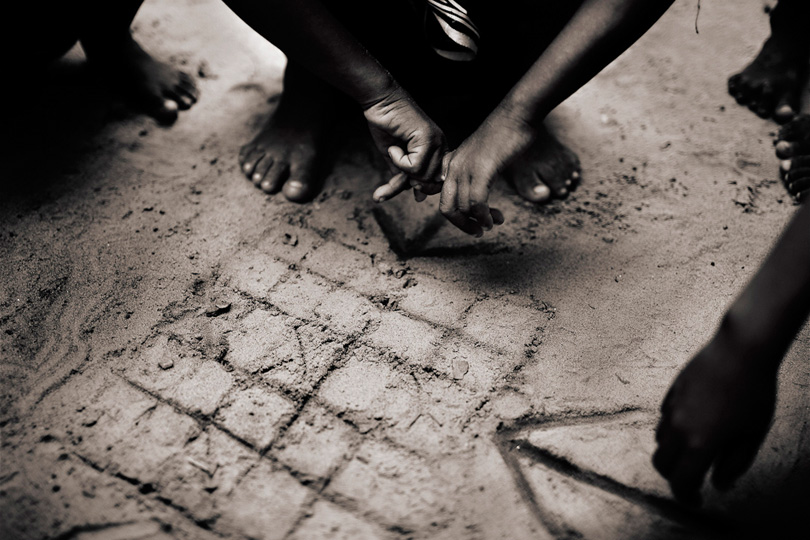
(541, 190)
(257, 177)
(575, 175)
(568, 182)
(784, 165)
(246, 167)
(170, 105)
(783, 146)
(563, 192)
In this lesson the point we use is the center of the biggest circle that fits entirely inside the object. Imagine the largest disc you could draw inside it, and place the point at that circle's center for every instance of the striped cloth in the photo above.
(450, 31)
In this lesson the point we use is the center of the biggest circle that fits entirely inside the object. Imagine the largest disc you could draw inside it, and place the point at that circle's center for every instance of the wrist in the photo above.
(380, 89)
(511, 133)
(750, 340)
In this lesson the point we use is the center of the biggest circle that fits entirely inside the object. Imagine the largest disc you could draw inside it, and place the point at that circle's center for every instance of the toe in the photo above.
(260, 170)
(297, 191)
(275, 176)
(784, 113)
(799, 186)
(734, 84)
(784, 167)
(188, 85)
(178, 97)
(251, 158)
(164, 110)
(785, 149)
(797, 129)
(539, 193)
(786, 107)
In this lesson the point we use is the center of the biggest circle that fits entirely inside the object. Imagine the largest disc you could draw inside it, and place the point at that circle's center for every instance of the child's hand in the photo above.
(717, 412)
(413, 143)
(469, 172)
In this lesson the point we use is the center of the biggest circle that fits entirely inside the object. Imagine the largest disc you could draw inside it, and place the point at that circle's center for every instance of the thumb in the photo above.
(392, 188)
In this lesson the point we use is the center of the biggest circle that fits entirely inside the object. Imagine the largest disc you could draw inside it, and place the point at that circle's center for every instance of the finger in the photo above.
(669, 449)
(479, 209)
(448, 207)
(463, 196)
(687, 476)
(428, 188)
(392, 188)
(434, 165)
(733, 461)
(480, 213)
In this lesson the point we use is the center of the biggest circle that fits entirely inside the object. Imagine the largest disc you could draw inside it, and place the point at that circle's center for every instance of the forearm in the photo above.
(597, 33)
(771, 310)
(309, 35)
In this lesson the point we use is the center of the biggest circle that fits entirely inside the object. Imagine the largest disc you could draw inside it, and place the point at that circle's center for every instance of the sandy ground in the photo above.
(184, 357)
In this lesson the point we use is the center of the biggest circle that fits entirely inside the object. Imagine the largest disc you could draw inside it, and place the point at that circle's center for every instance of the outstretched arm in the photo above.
(719, 409)
(307, 32)
(597, 33)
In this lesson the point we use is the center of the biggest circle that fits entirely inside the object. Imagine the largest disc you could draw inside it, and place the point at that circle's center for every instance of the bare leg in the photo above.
(771, 84)
(287, 154)
(155, 87)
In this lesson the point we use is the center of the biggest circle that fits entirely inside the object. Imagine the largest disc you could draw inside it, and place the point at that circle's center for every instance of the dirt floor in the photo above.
(184, 357)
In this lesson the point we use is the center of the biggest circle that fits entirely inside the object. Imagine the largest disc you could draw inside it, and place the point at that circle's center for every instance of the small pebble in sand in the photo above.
(166, 363)
(218, 309)
(460, 368)
(289, 240)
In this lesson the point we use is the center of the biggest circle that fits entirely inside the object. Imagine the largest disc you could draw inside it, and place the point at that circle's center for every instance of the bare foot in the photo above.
(771, 84)
(155, 87)
(547, 169)
(287, 154)
(793, 148)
